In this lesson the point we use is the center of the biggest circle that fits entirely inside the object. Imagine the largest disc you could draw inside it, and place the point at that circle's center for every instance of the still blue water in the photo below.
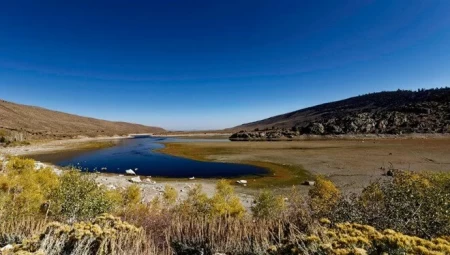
(140, 154)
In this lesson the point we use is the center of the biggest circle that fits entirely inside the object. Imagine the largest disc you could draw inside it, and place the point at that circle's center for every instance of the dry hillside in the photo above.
(423, 111)
(35, 123)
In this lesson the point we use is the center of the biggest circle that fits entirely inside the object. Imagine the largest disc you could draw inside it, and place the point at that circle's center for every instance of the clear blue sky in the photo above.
(215, 64)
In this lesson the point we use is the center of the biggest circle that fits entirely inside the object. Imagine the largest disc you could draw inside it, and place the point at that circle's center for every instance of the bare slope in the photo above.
(35, 122)
(423, 111)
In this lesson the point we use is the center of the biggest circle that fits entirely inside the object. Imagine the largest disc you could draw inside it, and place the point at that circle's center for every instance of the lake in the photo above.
(139, 153)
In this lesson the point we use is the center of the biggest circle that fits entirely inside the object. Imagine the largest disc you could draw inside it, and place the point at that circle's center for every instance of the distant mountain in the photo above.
(35, 122)
(423, 111)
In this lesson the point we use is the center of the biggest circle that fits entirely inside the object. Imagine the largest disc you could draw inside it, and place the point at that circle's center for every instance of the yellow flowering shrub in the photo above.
(324, 196)
(24, 190)
(101, 236)
(132, 195)
(170, 195)
(225, 202)
(352, 239)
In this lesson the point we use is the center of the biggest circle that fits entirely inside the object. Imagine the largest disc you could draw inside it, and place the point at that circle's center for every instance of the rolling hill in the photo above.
(35, 123)
(402, 111)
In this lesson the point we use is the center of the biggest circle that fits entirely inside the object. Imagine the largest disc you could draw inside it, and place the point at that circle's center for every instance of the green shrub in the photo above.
(170, 195)
(225, 202)
(79, 197)
(197, 203)
(132, 195)
(268, 206)
(412, 203)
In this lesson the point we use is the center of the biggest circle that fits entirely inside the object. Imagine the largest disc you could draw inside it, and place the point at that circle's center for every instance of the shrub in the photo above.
(324, 196)
(20, 164)
(347, 238)
(104, 235)
(79, 197)
(197, 203)
(132, 195)
(170, 195)
(225, 202)
(24, 190)
(299, 211)
(412, 203)
(268, 206)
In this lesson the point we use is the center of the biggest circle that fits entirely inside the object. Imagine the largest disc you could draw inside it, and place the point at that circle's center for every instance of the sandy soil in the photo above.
(351, 164)
(155, 188)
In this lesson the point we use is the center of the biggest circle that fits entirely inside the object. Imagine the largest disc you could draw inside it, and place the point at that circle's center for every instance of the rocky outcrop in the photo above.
(422, 111)
(425, 117)
(422, 120)
(269, 135)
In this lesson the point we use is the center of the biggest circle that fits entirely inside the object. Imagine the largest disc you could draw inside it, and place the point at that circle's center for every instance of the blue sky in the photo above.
(187, 65)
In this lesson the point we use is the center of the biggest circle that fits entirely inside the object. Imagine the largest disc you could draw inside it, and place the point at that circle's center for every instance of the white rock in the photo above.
(148, 180)
(192, 178)
(38, 165)
(130, 172)
(309, 183)
(7, 248)
(242, 182)
(136, 179)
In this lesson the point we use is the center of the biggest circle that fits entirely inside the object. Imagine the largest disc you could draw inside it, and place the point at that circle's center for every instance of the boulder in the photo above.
(38, 165)
(136, 180)
(7, 248)
(316, 128)
(130, 172)
(309, 183)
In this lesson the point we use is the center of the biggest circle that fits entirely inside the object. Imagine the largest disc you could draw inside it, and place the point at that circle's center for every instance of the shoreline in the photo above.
(54, 146)
(121, 181)
(82, 143)
(351, 164)
(279, 175)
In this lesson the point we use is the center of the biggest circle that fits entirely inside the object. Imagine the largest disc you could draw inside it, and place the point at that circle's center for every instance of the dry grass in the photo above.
(17, 229)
